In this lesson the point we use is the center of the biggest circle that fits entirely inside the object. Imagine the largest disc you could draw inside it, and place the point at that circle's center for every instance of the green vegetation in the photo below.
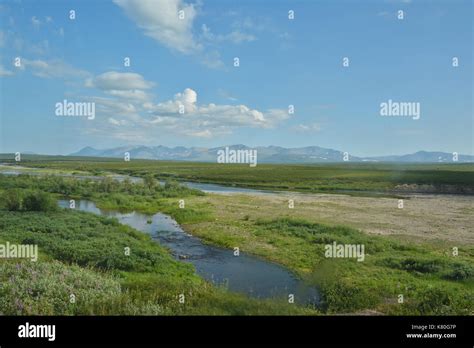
(358, 177)
(391, 267)
(82, 254)
(377, 281)
(430, 278)
(17, 200)
(32, 288)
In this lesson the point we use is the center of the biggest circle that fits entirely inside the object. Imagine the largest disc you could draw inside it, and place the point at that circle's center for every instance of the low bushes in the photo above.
(27, 200)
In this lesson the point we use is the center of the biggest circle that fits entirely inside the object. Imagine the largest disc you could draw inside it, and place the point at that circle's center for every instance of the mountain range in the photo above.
(266, 154)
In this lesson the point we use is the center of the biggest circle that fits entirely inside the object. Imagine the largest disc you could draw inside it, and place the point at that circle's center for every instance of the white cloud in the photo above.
(160, 20)
(127, 87)
(188, 97)
(114, 80)
(209, 118)
(123, 117)
(201, 134)
(35, 21)
(307, 128)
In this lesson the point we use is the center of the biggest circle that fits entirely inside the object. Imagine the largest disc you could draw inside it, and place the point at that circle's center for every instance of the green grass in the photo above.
(358, 177)
(375, 282)
(52, 288)
(83, 254)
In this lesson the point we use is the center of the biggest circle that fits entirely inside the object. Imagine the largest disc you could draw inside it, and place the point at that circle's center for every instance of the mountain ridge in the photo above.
(265, 154)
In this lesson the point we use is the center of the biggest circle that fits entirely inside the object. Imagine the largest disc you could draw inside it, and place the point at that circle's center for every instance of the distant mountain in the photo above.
(425, 156)
(265, 154)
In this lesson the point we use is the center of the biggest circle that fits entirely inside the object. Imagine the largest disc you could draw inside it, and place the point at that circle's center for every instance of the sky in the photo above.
(182, 87)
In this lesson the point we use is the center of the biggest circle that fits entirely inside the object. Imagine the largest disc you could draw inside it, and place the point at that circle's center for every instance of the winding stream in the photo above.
(244, 273)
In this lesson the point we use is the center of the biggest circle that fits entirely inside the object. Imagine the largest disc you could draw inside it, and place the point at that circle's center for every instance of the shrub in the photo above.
(345, 297)
(39, 201)
(149, 181)
(34, 288)
(433, 301)
(12, 199)
(459, 272)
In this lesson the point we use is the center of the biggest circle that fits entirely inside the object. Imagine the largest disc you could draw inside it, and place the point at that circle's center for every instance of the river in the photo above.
(245, 274)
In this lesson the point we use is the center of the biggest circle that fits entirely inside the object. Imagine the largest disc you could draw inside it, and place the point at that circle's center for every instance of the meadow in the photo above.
(82, 254)
(408, 253)
(335, 177)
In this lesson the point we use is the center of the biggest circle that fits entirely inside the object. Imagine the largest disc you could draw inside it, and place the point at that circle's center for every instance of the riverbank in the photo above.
(409, 251)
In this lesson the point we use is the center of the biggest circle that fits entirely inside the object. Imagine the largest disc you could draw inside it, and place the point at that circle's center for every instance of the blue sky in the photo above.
(188, 63)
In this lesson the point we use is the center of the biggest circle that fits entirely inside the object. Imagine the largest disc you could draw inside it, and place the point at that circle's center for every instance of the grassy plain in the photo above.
(356, 177)
(409, 251)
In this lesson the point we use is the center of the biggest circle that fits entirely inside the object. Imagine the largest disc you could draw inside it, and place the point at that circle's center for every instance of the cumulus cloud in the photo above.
(206, 119)
(113, 80)
(189, 96)
(160, 20)
(185, 101)
(127, 87)
(182, 115)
